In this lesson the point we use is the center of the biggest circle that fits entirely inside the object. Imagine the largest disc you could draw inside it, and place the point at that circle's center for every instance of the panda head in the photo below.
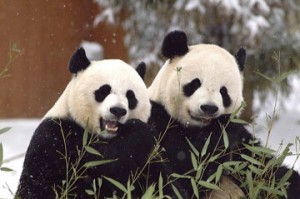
(198, 83)
(105, 94)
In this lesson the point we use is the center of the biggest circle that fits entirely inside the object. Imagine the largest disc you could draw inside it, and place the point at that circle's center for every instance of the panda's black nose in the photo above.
(118, 112)
(209, 109)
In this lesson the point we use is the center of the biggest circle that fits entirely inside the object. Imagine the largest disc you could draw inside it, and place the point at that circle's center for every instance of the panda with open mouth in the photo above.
(109, 99)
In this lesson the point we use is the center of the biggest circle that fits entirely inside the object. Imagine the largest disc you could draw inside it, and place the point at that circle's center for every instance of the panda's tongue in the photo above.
(111, 126)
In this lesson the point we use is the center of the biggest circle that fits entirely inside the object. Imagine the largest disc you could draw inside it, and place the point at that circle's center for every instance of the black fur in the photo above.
(191, 87)
(225, 97)
(241, 58)
(132, 101)
(141, 69)
(78, 61)
(175, 44)
(44, 166)
(177, 149)
(102, 92)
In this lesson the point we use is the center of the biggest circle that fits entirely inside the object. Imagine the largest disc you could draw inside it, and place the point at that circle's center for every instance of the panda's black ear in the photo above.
(141, 69)
(78, 61)
(175, 44)
(241, 58)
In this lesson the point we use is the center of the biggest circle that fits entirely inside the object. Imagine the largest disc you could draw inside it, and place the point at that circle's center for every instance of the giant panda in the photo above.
(194, 96)
(106, 100)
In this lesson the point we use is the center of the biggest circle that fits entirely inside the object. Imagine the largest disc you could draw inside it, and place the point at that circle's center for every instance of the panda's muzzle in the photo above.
(112, 125)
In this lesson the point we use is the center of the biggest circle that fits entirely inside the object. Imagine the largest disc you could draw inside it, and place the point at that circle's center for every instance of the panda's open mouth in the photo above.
(109, 126)
(202, 119)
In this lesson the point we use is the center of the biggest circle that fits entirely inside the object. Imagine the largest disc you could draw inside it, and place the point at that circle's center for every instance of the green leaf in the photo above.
(177, 192)
(266, 77)
(204, 149)
(176, 175)
(199, 171)
(225, 138)
(89, 192)
(3, 130)
(194, 161)
(93, 151)
(252, 160)
(283, 76)
(116, 183)
(285, 178)
(195, 188)
(98, 163)
(195, 151)
(85, 134)
(260, 149)
(238, 121)
(160, 186)
(208, 185)
(6, 169)
(149, 192)
(219, 173)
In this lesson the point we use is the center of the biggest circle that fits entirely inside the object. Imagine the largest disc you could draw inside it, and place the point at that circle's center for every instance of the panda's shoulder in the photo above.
(53, 130)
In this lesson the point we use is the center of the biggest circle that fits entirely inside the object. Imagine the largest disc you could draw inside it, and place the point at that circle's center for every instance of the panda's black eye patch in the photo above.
(191, 87)
(132, 101)
(225, 96)
(102, 92)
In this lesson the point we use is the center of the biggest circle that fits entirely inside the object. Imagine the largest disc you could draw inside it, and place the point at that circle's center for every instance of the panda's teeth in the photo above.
(112, 130)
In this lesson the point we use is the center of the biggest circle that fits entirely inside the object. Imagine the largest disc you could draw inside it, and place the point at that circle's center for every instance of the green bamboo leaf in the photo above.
(3, 130)
(219, 173)
(195, 151)
(116, 183)
(177, 192)
(204, 149)
(98, 163)
(208, 185)
(195, 188)
(255, 170)
(260, 149)
(252, 160)
(160, 186)
(89, 192)
(129, 189)
(225, 138)
(266, 77)
(149, 192)
(6, 169)
(213, 158)
(194, 161)
(211, 178)
(199, 171)
(85, 134)
(283, 76)
(93, 151)
(238, 121)
(285, 178)
(176, 175)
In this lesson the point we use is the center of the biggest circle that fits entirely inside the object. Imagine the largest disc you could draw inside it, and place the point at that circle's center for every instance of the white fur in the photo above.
(214, 66)
(78, 100)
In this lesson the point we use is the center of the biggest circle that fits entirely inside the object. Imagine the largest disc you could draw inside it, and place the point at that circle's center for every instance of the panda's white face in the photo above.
(108, 93)
(103, 94)
(199, 86)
